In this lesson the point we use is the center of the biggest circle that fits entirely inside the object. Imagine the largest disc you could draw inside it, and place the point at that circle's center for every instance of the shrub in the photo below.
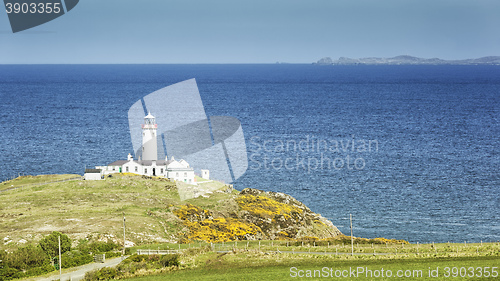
(39, 270)
(50, 244)
(106, 273)
(112, 254)
(75, 258)
(146, 262)
(90, 275)
(7, 273)
(26, 257)
(24, 262)
(169, 260)
(137, 258)
(97, 247)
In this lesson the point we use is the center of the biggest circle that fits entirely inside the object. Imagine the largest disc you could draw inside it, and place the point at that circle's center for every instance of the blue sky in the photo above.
(232, 31)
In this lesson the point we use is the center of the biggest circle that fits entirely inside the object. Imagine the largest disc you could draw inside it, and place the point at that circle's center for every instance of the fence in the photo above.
(101, 258)
(327, 248)
(156, 252)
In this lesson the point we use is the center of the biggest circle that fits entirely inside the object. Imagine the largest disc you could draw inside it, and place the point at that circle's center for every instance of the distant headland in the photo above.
(408, 60)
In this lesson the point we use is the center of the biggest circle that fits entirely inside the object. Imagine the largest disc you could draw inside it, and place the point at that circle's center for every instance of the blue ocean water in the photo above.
(424, 165)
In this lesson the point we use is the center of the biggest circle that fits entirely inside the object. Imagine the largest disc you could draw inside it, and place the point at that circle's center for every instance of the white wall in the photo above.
(92, 176)
(205, 174)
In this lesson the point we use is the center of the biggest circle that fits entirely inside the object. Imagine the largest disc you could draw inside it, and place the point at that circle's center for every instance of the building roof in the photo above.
(118, 163)
(150, 162)
(170, 164)
(92, 171)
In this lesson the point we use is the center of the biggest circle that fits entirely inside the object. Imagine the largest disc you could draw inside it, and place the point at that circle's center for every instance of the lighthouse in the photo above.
(149, 145)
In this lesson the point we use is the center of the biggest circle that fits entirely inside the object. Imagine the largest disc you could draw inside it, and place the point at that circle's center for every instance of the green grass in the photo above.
(93, 208)
(247, 262)
(259, 266)
(34, 180)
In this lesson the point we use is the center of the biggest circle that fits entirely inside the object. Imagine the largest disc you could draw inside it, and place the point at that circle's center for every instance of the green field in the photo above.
(278, 260)
(28, 181)
(254, 265)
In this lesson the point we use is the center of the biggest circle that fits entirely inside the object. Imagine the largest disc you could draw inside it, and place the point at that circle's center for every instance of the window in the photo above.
(161, 171)
(176, 174)
(113, 168)
(185, 174)
(145, 171)
(136, 168)
(126, 168)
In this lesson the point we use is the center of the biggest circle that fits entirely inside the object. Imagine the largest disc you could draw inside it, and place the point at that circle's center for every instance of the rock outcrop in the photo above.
(259, 215)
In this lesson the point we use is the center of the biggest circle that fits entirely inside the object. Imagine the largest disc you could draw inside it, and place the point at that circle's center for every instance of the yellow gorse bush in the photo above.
(202, 227)
(221, 230)
(191, 212)
(266, 207)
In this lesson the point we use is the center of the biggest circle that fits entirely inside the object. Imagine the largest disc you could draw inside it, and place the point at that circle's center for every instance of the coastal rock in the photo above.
(257, 214)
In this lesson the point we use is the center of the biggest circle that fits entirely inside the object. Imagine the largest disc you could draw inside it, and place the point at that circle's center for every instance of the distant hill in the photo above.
(408, 60)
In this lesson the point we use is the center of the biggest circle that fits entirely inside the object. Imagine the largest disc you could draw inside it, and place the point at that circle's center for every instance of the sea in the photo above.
(410, 151)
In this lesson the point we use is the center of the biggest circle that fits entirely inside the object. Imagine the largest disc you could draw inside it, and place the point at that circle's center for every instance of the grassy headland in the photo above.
(154, 212)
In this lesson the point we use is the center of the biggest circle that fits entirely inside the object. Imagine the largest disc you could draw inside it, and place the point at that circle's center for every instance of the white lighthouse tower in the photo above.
(149, 146)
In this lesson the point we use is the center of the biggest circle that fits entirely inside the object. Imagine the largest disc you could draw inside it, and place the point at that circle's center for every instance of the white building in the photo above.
(171, 169)
(205, 174)
(92, 174)
(149, 165)
(149, 143)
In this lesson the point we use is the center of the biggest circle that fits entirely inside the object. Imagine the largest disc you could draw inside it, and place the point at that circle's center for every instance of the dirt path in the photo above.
(77, 273)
